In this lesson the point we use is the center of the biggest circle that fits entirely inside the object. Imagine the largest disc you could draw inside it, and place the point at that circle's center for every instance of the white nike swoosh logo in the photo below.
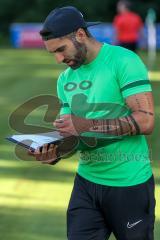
(133, 224)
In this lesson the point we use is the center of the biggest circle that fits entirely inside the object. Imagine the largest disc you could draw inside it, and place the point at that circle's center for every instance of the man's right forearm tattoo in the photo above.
(117, 127)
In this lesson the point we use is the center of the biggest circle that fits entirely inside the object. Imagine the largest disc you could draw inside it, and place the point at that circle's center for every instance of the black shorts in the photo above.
(95, 211)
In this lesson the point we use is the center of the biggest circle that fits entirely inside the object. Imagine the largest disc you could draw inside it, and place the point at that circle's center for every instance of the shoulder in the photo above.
(118, 53)
(136, 16)
(123, 58)
(121, 53)
(117, 18)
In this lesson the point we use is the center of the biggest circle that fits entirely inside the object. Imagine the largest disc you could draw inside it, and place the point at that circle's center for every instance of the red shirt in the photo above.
(127, 26)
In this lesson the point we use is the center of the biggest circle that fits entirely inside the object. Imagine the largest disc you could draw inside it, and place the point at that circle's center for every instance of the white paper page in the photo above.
(37, 140)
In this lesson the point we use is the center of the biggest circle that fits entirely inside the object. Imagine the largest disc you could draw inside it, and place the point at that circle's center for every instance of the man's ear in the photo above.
(80, 35)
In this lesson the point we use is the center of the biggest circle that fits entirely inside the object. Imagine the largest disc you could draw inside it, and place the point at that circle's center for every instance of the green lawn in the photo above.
(34, 197)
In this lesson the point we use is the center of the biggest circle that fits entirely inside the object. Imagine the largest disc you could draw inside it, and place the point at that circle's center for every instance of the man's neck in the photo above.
(93, 48)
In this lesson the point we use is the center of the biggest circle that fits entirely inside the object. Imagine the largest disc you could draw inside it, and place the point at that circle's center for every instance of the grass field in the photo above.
(34, 198)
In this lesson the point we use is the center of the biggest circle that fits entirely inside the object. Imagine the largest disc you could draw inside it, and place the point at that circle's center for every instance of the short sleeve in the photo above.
(132, 75)
(65, 109)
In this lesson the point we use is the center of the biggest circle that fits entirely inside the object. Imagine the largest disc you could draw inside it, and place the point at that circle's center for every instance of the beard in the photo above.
(80, 55)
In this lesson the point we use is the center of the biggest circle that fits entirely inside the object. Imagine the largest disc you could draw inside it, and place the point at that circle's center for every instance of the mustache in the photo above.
(68, 60)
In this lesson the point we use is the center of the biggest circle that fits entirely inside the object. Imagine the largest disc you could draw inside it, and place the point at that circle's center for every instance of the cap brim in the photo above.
(89, 24)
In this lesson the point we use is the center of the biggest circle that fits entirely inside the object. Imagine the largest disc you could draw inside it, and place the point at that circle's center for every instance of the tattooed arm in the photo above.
(141, 120)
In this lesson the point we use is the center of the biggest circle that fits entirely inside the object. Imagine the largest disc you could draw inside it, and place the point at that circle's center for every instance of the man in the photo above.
(128, 26)
(114, 186)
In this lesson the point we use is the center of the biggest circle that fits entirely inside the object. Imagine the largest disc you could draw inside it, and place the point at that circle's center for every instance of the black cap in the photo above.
(62, 21)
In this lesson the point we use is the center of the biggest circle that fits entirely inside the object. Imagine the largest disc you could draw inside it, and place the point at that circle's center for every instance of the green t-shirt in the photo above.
(98, 90)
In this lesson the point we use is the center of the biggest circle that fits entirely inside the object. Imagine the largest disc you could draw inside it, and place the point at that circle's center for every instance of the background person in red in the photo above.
(128, 26)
